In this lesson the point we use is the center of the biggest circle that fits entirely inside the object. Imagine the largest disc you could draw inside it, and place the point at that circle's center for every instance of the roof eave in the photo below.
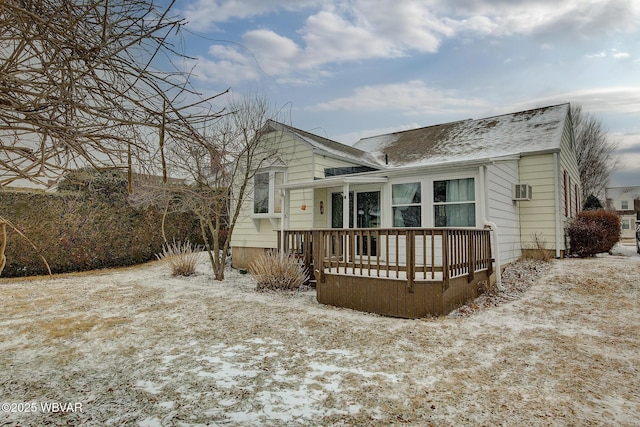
(334, 156)
(334, 181)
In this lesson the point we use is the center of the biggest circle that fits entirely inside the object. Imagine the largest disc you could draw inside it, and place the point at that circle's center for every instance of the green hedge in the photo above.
(77, 231)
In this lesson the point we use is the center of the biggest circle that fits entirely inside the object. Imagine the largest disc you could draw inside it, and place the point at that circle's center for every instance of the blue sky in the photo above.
(349, 69)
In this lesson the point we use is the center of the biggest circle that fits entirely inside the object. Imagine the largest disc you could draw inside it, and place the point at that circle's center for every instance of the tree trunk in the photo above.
(207, 245)
(3, 244)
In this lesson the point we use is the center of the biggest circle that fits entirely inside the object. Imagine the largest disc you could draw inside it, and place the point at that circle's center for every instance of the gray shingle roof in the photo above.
(519, 133)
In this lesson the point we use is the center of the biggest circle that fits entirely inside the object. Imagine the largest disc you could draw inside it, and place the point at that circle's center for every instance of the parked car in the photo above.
(638, 236)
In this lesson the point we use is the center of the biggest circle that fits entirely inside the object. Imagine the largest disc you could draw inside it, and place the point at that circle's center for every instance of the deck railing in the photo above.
(398, 253)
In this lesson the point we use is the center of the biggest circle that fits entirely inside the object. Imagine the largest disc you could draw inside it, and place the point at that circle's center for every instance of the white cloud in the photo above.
(331, 38)
(621, 55)
(601, 54)
(585, 18)
(413, 97)
(231, 67)
(275, 52)
(617, 99)
(204, 14)
(614, 54)
(340, 32)
(628, 159)
(628, 143)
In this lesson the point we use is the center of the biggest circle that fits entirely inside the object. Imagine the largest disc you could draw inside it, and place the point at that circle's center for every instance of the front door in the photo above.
(368, 209)
(364, 210)
(367, 216)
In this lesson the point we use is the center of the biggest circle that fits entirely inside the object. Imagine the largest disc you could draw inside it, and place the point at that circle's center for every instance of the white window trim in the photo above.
(272, 194)
(432, 204)
(416, 180)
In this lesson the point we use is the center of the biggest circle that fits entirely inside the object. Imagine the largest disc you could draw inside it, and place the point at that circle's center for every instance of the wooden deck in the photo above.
(400, 272)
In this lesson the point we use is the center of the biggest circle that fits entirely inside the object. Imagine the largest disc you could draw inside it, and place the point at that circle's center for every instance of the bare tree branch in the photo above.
(594, 150)
(219, 168)
(79, 79)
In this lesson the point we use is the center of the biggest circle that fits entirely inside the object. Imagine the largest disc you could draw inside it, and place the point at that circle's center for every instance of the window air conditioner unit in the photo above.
(522, 192)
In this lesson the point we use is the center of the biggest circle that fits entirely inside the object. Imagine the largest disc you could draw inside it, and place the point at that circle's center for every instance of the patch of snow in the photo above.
(194, 351)
(149, 386)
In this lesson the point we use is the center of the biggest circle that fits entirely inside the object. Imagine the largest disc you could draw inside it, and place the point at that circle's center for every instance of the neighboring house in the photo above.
(626, 202)
(516, 173)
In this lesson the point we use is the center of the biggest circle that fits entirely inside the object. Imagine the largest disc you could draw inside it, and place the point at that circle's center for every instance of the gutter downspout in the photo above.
(284, 195)
(491, 225)
(556, 182)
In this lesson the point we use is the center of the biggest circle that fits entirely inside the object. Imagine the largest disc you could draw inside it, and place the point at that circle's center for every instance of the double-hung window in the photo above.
(454, 203)
(624, 205)
(266, 199)
(406, 205)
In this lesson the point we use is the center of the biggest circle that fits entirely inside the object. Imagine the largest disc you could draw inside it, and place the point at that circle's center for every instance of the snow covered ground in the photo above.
(136, 346)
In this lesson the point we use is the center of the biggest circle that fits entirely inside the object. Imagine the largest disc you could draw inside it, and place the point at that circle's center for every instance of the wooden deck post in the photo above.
(471, 247)
(411, 261)
(445, 258)
(318, 255)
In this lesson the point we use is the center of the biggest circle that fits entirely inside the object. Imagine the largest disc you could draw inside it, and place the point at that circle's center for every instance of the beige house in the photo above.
(626, 202)
(515, 174)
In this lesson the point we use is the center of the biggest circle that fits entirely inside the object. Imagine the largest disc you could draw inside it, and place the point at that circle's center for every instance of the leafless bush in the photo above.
(180, 257)
(538, 249)
(275, 271)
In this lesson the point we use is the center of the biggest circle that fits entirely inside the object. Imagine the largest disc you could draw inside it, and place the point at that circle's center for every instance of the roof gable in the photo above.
(327, 146)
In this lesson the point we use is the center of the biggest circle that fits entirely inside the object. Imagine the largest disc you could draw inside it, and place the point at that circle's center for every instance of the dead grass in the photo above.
(139, 347)
(68, 327)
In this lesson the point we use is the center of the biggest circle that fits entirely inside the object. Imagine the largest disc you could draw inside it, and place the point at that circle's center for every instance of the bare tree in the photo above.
(219, 168)
(90, 83)
(80, 80)
(594, 150)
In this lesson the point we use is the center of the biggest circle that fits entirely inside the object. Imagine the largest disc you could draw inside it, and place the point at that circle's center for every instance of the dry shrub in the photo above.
(538, 249)
(593, 232)
(180, 257)
(275, 271)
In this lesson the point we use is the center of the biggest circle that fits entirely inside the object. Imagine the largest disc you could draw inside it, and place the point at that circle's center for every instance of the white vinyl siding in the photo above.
(302, 164)
(501, 208)
(538, 171)
(255, 231)
(569, 164)
(538, 217)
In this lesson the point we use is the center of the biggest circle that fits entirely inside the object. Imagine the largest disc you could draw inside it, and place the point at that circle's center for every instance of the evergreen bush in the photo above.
(76, 231)
(592, 203)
